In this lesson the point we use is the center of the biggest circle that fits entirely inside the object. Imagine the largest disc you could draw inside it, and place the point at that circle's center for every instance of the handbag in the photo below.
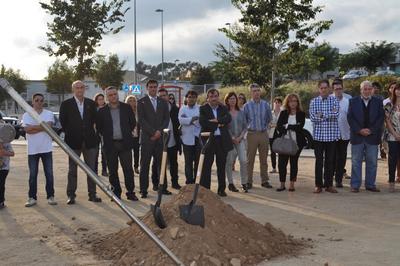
(285, 146)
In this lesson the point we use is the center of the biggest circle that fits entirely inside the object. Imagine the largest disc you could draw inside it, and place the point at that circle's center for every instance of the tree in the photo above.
(350, 61)
(108, 72)
(59, 79)
(327, 56)
(376, 54)
(79, 26)
(16, 80)
(202, 75)
(269, 28)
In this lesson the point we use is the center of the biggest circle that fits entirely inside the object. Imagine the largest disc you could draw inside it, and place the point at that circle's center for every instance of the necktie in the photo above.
(154, 102)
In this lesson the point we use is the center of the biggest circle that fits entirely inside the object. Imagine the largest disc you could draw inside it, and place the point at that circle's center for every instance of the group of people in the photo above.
(130, 133)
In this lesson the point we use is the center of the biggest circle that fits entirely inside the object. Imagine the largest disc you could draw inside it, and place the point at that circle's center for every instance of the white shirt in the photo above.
(171, 140)
(386, 101)
(217, 132)
(80, 105)
(40, 142)
(292, 121)
(344, 126)
(189, 130)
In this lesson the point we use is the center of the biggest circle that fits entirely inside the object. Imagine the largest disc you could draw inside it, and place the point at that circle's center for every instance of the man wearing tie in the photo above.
(77, 118)
(153, 115)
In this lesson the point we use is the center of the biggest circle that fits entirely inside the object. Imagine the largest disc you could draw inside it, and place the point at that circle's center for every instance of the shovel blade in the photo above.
(193, 215)
(158, 216)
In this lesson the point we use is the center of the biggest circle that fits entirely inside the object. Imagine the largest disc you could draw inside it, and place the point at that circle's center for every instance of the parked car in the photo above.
(308, 126)
(12, 121)
(353, 74)
(385, 73)
(56, 126)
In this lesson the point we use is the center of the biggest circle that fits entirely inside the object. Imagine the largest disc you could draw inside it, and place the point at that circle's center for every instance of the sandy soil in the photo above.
(345, 228)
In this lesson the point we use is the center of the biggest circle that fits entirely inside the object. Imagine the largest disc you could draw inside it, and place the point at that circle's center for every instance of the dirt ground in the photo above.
(344, 228)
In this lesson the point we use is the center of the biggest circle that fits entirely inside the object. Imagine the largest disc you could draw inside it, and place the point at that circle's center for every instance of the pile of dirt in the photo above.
(228, 238)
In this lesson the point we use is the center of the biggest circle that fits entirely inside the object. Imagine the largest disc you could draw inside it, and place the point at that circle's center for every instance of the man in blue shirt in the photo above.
(258, 116)
(324, 113)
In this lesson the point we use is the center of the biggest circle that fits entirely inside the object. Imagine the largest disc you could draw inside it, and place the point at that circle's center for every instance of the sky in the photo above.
(190, 30)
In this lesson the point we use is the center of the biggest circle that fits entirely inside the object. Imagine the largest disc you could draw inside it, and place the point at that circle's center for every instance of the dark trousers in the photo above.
(273, 154)
(125, 158)
(172, 157)
(340, 159)
(324, 159)
(103, 160)
(136, 154)
(394, 155)
(220, 155)
(192, 155)
(3, 176)
(33, 163)
(148, 151)
(282, 166)
(89, 156)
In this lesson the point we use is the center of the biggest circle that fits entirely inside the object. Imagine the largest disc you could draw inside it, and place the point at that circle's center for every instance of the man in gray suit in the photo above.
(153, 116)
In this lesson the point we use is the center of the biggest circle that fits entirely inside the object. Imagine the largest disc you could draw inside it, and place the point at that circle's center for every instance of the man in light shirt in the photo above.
(344, 128)
(39, 147)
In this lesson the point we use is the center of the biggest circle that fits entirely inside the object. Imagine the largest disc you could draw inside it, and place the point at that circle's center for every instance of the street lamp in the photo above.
(176, 60)
(134, 42)
(229, 44)
(162, 43)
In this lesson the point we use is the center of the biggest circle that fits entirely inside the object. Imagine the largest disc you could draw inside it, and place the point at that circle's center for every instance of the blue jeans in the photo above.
(358, 152)
(33, 162)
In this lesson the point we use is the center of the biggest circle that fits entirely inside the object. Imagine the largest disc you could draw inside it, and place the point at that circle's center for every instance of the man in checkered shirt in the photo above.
(324, 113)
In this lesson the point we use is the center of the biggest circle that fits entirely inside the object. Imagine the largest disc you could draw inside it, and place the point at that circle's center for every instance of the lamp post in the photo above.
(134, 42)
(162, 44)
(176, 60)
(229, 44)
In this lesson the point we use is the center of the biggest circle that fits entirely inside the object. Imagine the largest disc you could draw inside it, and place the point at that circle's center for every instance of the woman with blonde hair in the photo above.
(290, 123)
(132, 101)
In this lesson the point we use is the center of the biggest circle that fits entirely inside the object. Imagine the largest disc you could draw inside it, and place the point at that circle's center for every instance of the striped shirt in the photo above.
(324, 113)
(258, 115)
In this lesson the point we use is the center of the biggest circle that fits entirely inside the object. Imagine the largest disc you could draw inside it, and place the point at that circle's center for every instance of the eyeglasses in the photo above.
(39, 101)
(171, 98)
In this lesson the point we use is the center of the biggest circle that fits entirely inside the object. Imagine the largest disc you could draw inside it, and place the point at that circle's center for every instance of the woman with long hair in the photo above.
(275, 115)
(392, 119)
(100, 103)
(132, 101)
(290, 124)
(237, 128)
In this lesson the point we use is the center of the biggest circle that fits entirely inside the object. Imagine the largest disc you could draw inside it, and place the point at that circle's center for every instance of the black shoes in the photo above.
(132, 197)
(137, 170)
(71, 201)
(222, 194)
(94, 199)
(249, 185)
(176, 186)
(281, 189)
(266, 185)
(232, 188)
(244, 187)
(143, 195)
(166, 192)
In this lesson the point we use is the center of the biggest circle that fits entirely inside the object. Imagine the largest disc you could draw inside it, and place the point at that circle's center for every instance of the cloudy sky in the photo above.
(190, 30)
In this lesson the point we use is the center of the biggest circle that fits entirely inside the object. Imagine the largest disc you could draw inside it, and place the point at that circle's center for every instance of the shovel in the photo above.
(155, 209)
(194, 214)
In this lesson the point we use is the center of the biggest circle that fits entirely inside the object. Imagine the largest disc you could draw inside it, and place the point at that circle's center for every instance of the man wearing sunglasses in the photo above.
(39, 147)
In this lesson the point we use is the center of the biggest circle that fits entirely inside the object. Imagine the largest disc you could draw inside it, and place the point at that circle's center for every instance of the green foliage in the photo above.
(353, 86)
(171, 70)
(78, 27)
(327, 55)
(108, 72)
(59, 78)
(16, 80)
(202, 75)
(369, 55)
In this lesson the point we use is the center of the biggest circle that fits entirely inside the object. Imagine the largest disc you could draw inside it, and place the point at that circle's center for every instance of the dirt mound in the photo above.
(228, 238)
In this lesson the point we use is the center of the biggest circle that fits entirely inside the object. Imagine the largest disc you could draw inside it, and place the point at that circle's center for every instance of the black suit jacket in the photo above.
(150, 121)
(298, 128)
(104, 125)
(223, 117)
(173, 114)
(79, 131)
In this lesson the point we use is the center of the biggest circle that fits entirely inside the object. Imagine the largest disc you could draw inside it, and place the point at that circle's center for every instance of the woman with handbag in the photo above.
(290, 129)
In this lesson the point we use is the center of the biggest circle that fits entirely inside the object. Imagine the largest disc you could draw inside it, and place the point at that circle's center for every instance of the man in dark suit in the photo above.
(77, 118)
(365, 116)
(153, 115)
(174, 144)
(115, 122)
(214, 117)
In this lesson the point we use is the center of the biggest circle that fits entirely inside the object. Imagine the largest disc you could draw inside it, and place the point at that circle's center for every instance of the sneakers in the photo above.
(51, 201)
(31, 202)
